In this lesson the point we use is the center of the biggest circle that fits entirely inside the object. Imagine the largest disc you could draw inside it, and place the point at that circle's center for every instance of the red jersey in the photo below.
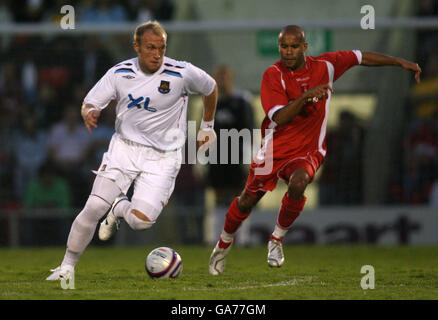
(305, 134)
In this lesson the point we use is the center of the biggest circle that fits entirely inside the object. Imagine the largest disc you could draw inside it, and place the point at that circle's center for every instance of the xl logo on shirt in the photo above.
(135, 102)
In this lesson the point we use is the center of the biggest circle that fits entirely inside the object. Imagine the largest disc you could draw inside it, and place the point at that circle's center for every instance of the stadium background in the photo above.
(385, 191)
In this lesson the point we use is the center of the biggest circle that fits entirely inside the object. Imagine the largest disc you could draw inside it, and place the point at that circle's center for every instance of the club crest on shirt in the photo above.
(304, 87)
(164, 87)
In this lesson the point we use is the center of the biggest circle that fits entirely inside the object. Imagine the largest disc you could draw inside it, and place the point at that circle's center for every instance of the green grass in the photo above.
(310, 272)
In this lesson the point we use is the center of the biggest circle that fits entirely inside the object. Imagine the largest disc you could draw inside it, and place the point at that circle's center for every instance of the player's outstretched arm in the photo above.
(90, 114)
(374, 59)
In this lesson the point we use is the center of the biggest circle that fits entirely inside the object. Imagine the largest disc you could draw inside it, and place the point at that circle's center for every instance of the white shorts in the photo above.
(153, 172)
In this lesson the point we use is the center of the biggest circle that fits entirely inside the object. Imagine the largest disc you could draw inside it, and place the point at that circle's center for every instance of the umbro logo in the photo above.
(128, 77)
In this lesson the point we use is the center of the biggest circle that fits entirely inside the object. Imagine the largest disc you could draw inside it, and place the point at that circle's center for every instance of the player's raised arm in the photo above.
(374, 59)
(206, 132)
(90, 114)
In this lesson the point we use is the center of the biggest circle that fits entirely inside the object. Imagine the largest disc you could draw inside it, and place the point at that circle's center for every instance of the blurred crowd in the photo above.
(415, 175)
(46, 154)
(40, 127)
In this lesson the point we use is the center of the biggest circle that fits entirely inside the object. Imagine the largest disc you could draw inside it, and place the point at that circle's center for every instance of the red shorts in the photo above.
(281, 169)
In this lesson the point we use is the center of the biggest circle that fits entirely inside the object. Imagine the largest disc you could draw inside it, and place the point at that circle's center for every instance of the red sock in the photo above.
(271, 237)
(224, 245)
(234, 217)
(289, 211)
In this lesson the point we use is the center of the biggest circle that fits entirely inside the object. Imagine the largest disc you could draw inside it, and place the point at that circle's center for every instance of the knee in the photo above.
(141, 225)
(243, 204)
(140, 220)
(95, 207)
(96, 203)
(142, 215)
(296, 190)
(297, 185)
(246, 202)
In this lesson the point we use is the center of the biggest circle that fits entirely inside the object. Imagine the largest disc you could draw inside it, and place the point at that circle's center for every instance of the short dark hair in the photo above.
(155, 26)
(296, 30)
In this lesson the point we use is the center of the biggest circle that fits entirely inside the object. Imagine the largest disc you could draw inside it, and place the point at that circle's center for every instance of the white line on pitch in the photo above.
(293, 282)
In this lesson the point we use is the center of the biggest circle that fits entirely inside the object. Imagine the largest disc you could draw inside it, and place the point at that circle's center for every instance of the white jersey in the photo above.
(150, 106)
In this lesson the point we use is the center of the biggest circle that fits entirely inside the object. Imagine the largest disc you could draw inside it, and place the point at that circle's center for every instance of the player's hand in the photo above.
(411, 66)
(206, 138)
(90, 120)
(318, 93)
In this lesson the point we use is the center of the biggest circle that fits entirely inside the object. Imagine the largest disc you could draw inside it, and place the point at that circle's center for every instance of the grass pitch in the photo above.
(310, 272)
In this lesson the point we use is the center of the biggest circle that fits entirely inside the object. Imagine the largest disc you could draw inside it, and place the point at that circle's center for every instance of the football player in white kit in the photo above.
(151, 91)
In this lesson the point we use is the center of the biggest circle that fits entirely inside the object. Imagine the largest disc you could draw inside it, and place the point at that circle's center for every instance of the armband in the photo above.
(91, 109)
(206, 125)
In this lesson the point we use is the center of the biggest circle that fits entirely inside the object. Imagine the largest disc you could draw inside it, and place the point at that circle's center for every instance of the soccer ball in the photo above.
(163, 262)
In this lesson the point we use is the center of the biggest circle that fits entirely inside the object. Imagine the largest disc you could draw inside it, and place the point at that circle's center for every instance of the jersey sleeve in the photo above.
(197, 81)
(272, 92)
(103, 91)
(342, 60)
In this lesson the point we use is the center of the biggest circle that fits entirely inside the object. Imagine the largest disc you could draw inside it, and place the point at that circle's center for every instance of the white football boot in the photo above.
(217, 259)
(111, 223)
(61, 273)
(275, 253)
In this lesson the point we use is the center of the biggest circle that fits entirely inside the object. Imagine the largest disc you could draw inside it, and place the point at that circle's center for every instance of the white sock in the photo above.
(122, 208)
(83, 228)
(227, 237)
(279, 233)
(70, 258)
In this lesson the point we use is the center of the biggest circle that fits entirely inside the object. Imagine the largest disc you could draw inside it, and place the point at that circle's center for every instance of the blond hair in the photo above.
(155, 26)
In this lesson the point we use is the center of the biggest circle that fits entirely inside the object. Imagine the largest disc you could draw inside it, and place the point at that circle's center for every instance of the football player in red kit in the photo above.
(295, 94)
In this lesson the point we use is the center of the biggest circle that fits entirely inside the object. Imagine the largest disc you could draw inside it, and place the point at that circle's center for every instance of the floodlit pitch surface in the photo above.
(310, 272)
